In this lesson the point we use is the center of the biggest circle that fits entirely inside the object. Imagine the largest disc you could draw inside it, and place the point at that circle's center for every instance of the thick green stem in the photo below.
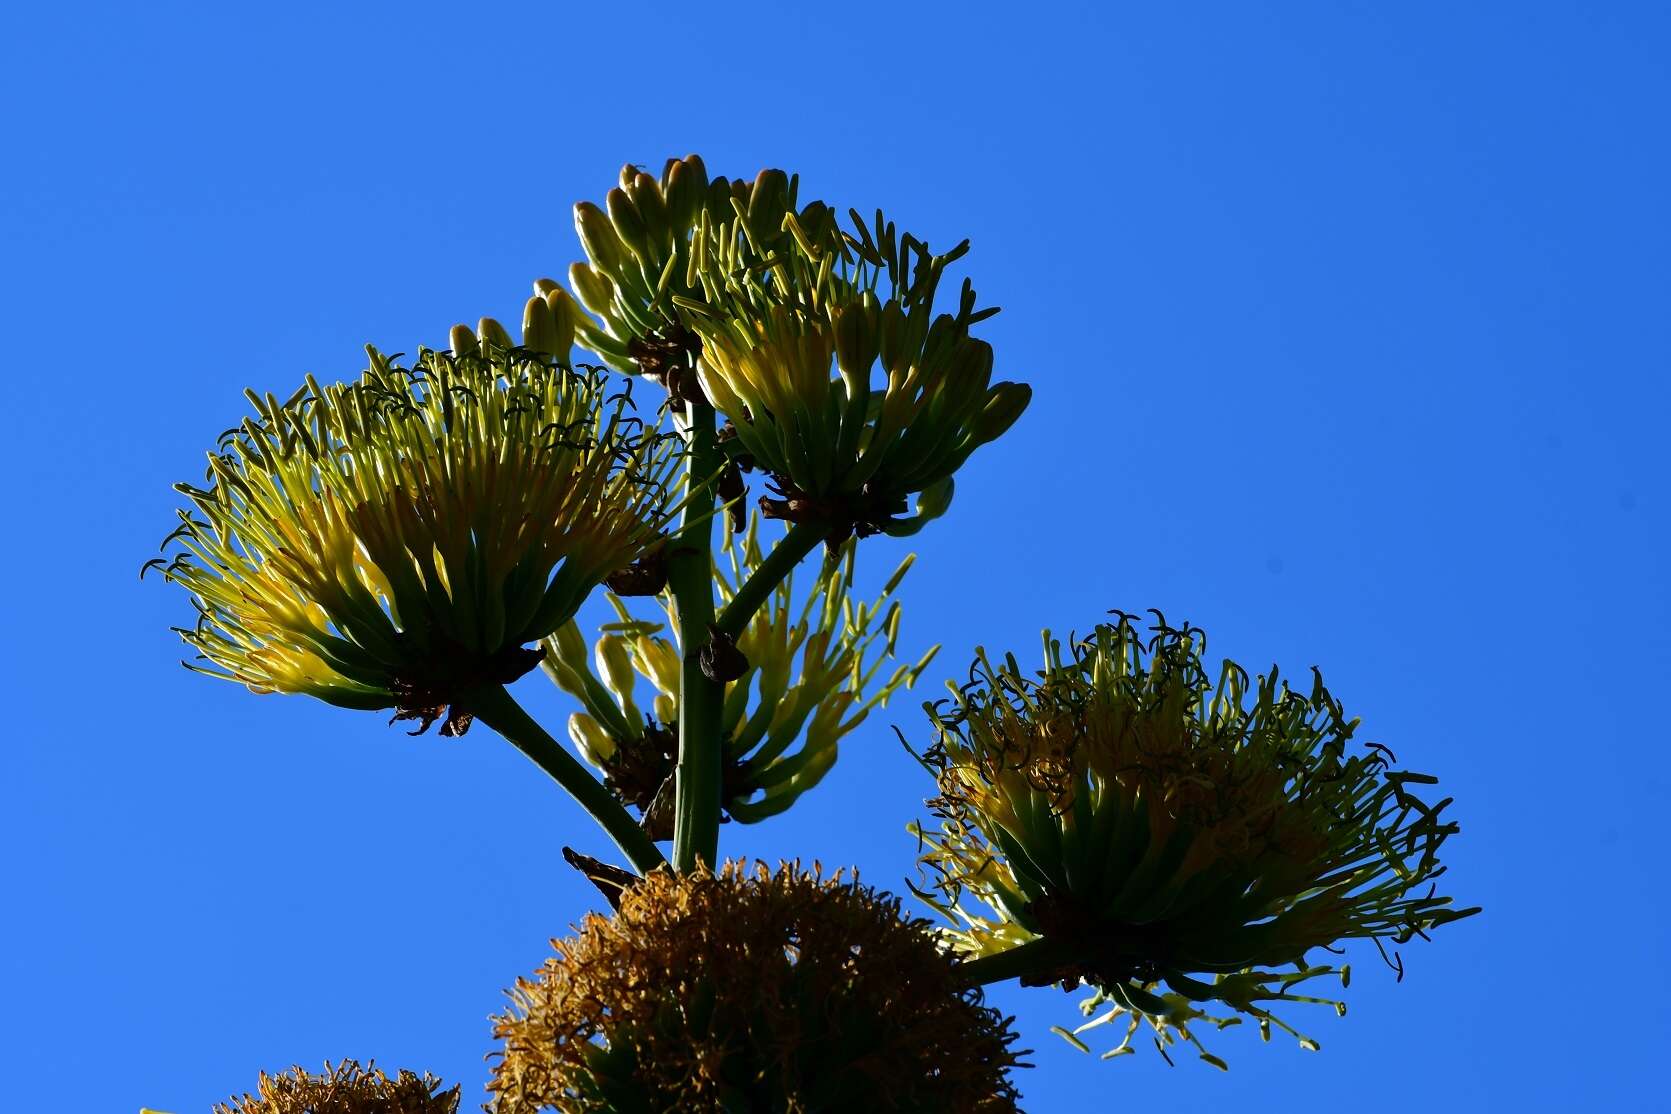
(499, 710)
(1039, 956)
(791, 549)
(690, 580)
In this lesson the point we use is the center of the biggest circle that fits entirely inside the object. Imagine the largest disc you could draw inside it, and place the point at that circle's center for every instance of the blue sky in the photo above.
(1347, 329)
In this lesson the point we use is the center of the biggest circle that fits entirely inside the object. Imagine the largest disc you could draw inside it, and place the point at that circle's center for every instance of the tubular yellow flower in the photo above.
(1166, 839)
(393, 541)
(810, 663)
(751, 990)
(346, 1088)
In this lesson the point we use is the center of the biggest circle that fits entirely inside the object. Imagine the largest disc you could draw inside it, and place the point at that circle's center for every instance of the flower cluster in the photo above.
(740, 296)
(393, 541)
(751, 990)
(809, 664)
(1169, 838)
(346, 1088)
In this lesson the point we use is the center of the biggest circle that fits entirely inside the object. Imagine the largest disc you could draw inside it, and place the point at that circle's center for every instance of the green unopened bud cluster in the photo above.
(1169, 837)
(812, 661)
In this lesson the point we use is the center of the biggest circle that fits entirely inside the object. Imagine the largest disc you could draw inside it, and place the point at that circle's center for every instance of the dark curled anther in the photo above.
(861, 513)
(720, 659)
(732, 491)
(727, 434)
(646, 576)
(668, 356)
(430, 694)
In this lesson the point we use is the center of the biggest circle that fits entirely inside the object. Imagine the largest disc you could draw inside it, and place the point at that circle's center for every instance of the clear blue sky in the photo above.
(1347, 325)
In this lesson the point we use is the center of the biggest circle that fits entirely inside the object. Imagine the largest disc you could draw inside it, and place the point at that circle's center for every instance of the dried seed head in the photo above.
(750, 989)
(346, 1088)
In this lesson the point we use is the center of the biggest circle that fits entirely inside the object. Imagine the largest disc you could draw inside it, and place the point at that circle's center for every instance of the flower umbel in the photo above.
(751, 990)
(394, 541)
(346, 1088)
(810, 664)
(1168, 839)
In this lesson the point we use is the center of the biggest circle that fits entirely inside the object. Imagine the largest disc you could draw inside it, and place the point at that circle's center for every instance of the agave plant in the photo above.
(1178, 840)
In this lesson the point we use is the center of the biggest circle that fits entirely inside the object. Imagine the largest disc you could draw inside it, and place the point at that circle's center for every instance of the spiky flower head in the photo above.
(814, 670)
(346, 1088)
(394, 541)
(791, 358)
(750, 990)
(1170, 839)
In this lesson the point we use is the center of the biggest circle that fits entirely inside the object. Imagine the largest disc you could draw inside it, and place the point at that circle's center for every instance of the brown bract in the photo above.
(752, 990)
(346, 1088)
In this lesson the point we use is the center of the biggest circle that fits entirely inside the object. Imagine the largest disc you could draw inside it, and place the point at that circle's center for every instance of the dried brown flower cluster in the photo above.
(346, 1088)
(751, 990)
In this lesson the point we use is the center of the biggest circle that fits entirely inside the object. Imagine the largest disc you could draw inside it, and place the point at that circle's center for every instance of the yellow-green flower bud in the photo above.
(590, 739)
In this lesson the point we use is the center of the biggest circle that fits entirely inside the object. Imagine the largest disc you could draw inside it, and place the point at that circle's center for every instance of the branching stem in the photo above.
(791, 549)
(1035, 956)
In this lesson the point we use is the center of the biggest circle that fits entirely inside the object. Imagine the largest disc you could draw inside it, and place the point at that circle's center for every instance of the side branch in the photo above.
(499, 710)
(791, 550)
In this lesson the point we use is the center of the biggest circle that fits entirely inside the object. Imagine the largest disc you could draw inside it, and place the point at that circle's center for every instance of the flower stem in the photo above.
(690, 579)
(1038, 955)
(499, 710)
(791, 549)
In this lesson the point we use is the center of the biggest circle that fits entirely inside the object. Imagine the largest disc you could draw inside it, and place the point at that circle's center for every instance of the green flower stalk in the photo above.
(1168, 839)
(397, 541)
(751, 990)
(808, 665)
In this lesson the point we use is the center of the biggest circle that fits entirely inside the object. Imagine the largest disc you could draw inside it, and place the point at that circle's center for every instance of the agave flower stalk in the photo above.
(810, 664)
(1168, 839)
(738, 298)
(398, 541)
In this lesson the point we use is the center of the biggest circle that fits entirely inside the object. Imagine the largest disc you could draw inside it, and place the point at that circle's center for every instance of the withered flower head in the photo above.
(394, 541)
(750, 990)
(1167, 839)
(346, 1088)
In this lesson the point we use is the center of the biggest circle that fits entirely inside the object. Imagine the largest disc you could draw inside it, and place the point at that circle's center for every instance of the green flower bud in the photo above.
(599, 239)
(591, 740)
